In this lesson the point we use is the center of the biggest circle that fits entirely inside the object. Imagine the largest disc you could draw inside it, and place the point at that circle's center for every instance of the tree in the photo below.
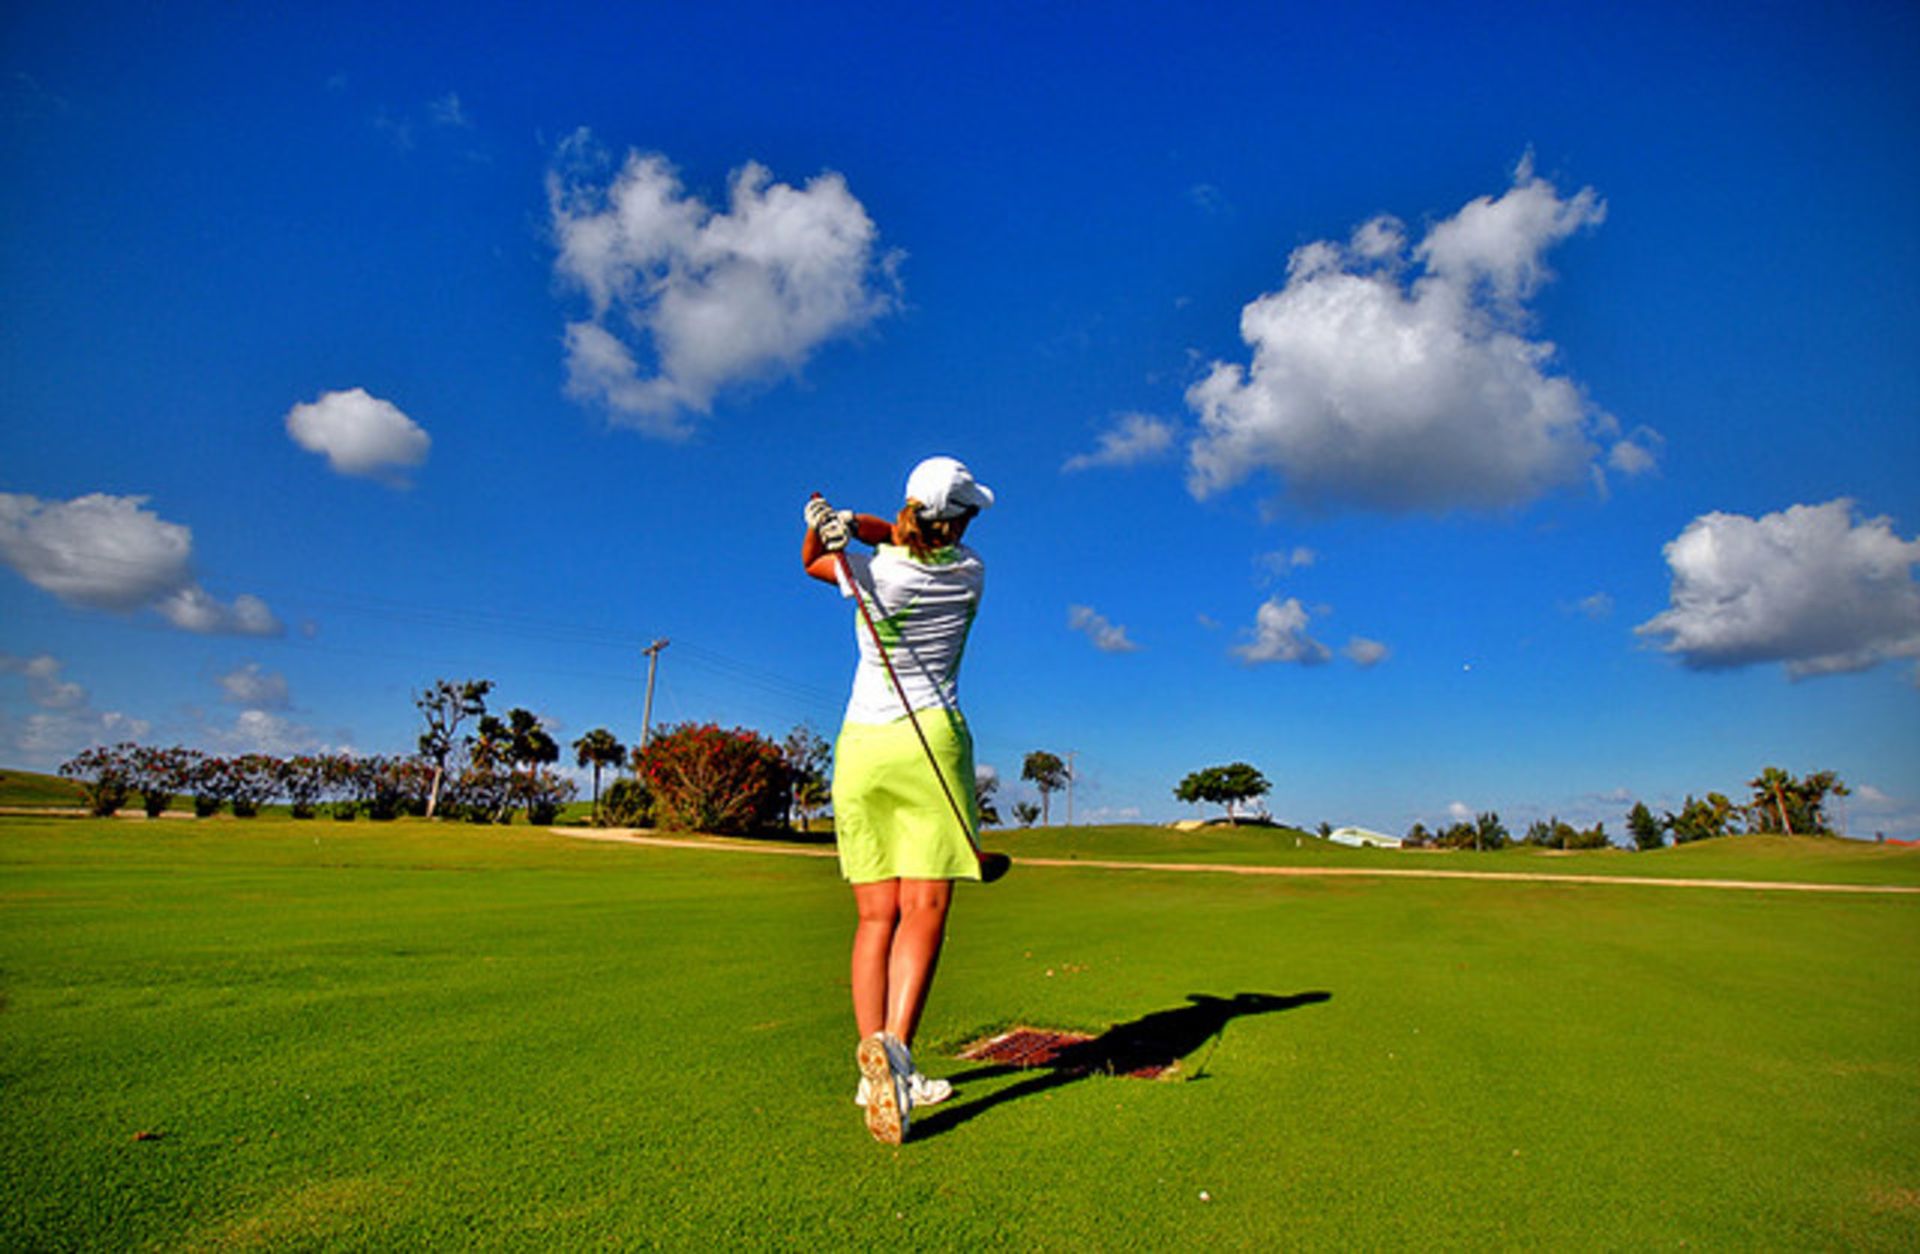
(345, 784)
(1594, 837)
(1556, 833)
(486, 785)
(1228, 786)
(597, 749)
(544, 792)
(303, 780)
(1700, 820)
(1025, 812)
(445, 706)
(1769, 805)
(810, 767)
(986, 782)
(385, 783)
(160, 774)
(212, 784)
(253, 779)
(705, 779)
(105, 775)
(1046, 772)
(508, 747)
(1792, 806)
(1644, 828)
(627, 804)
(1489, 832)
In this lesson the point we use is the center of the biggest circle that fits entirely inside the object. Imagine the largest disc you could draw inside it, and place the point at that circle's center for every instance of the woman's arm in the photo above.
(823, 565)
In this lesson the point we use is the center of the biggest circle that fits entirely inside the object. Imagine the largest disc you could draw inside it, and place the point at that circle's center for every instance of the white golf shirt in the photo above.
(923, 611)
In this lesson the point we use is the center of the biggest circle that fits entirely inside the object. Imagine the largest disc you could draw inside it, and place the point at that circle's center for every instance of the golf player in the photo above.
(900, 840)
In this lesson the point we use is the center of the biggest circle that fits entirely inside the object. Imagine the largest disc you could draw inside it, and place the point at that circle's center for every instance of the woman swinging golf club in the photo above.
(904, 808)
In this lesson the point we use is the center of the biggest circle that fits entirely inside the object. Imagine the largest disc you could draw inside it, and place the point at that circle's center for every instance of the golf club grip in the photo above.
(900, 690)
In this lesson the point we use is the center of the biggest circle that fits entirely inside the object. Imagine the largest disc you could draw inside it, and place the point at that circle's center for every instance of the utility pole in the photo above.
(652, 652)
(1070, 756)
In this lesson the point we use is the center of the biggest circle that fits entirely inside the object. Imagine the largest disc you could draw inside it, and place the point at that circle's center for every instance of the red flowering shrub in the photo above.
(105, 775)
(705, 779)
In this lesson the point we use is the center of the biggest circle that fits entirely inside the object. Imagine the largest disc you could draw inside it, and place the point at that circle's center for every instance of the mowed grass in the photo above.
(418, 1036)
(31, 788)
(1828, 860)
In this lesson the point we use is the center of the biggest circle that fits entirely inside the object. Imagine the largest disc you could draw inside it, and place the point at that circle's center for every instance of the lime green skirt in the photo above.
(890, 817)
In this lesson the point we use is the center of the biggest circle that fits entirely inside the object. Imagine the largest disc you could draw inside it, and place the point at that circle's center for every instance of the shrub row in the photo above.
(345, 785)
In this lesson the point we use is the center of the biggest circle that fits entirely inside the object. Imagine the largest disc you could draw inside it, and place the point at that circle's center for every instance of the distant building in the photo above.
(1361, 838)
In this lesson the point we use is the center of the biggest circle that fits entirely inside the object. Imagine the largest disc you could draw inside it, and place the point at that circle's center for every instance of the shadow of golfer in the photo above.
(1148, 1044)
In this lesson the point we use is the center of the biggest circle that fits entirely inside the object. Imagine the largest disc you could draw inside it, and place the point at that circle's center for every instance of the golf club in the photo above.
(992, 865)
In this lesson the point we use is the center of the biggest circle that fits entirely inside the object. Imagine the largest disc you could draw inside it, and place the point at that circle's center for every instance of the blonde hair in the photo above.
(922, 536)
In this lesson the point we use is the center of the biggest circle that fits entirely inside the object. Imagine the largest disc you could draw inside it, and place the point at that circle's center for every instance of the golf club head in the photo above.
(993, 866)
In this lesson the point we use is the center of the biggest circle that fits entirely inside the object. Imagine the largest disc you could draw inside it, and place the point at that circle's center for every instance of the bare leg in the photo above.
(879, 908)
(916, 952)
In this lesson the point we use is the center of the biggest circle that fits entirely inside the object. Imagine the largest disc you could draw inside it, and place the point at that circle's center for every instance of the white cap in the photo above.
(945, 489)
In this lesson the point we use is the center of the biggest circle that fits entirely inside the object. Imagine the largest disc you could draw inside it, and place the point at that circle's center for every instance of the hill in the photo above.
(32, 790)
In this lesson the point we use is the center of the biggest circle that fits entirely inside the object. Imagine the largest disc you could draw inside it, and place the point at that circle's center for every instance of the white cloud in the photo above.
(1872, 810)
(262, 731)
(64, 721)
(1107, 637)
(1405, 380)
(1281, 562)
(50, 737)
(359, 434)
(446, 111)
(1208, 199)
(1280, 635)
(252, 686)
(1597, 606)
(44, 685)
(1460, 812)
(1810, 587)
(1499, 245)
(1638, 453)
(1366, 653)
(110, 553)
(195, 609)
(709, 299)
(102, 552)
(1133, 439)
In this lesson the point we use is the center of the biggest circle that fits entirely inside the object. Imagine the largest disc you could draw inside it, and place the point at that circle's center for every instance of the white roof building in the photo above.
(1361, 838)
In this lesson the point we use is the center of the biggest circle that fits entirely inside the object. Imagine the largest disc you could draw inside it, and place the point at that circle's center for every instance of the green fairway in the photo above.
(424, 1036)
(1758, 858)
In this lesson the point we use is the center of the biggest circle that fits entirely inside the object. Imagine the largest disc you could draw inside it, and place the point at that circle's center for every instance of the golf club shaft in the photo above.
(900, 690)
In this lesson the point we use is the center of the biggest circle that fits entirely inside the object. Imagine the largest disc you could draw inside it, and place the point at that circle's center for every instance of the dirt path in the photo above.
(135, 815)
(631, 837)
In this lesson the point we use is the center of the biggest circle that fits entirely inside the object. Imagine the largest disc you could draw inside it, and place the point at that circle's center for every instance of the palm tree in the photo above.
(1772, 784)
(596, 749)
(1047, 773)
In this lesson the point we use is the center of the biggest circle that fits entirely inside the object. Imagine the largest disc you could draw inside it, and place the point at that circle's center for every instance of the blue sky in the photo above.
(1440, 407)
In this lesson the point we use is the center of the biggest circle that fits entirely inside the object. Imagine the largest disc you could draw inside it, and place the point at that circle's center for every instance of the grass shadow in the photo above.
(1153, 1041)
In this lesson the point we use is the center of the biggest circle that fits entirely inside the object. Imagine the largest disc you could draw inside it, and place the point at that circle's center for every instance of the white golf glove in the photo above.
(835, 527)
